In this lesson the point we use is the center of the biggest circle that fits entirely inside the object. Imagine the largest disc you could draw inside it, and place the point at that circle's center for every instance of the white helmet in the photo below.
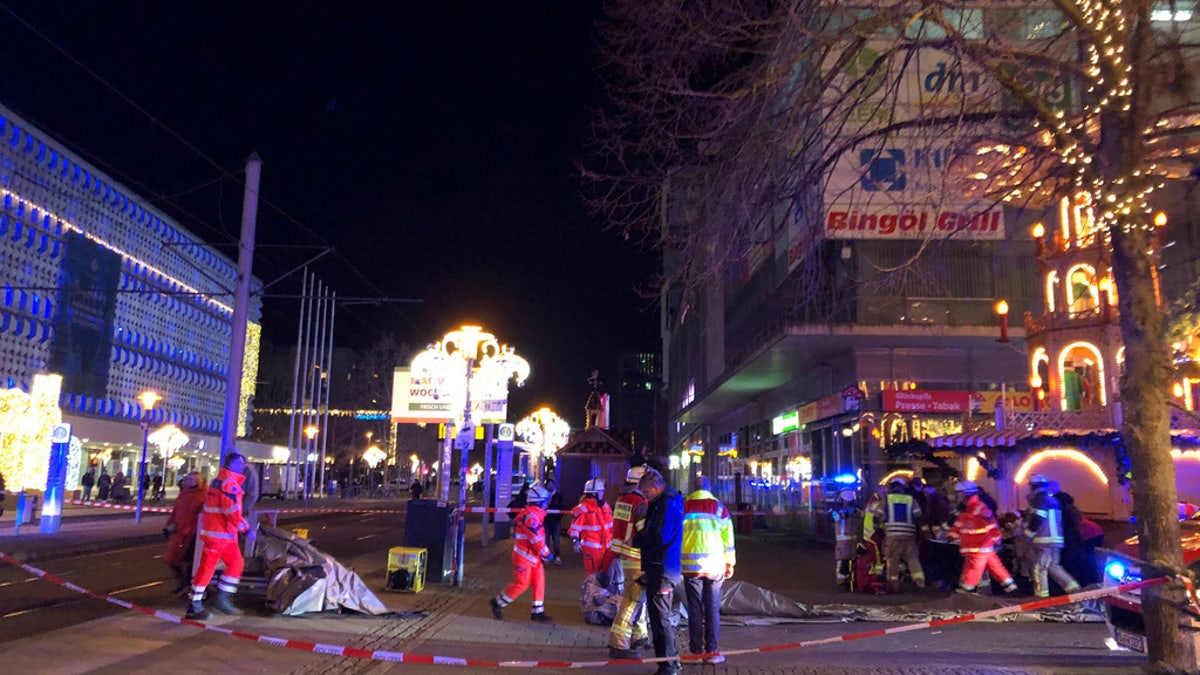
(966, 487)
(1038, 482)
(634, 474)
(536, 495)
(594, 486)
(846, 495)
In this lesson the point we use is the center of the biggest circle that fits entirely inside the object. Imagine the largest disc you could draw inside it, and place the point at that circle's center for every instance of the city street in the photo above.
(39, 619)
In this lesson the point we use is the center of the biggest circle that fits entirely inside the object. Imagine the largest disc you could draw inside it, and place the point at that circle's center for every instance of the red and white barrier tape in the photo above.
(161, 509)
(383, 655)
(469, 509)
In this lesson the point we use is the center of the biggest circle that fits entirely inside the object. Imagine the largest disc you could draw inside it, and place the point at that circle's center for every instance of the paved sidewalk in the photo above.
(456, 622)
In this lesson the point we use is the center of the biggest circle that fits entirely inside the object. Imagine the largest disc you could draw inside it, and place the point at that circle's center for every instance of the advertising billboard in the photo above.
(430, 399)
(83, 328)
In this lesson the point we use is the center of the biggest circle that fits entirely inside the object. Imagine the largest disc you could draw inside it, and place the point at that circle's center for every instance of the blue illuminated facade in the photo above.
(104, 290)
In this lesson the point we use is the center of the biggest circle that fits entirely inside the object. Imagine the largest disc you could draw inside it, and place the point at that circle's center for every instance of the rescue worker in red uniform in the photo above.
(529, 555)
(220, 522)
(630, 632)
(977, 534)
(592, 526)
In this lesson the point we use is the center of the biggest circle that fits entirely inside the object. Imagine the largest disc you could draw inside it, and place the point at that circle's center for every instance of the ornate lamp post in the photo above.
(373, 456)
(546, 431)
(147, 399)
(464, 351)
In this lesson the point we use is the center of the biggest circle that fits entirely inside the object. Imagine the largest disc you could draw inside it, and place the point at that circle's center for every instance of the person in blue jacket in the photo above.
(661, 542)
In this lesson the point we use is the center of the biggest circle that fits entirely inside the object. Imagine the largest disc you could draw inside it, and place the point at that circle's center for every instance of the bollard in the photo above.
(25, 508)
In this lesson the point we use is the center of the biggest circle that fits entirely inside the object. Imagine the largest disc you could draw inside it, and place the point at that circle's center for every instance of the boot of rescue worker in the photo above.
(223, 603)
(196, 611)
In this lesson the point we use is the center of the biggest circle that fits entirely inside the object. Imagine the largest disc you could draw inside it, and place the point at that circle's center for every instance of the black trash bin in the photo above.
(429, 524)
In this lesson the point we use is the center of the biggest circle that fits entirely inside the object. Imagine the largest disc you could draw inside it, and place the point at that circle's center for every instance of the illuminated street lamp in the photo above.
(546, 431)
(373, 456)
(464, 351)
(147, 399)
(310, 432)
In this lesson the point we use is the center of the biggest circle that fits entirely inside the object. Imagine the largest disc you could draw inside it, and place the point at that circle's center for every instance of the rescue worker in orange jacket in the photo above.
(529, 555)
(977, 534)
(220, 522)
(630, 631)
(592, 526)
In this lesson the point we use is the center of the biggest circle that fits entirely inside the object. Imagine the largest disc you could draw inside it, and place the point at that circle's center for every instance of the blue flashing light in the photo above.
(846, 479)
(1115, 569)
(371, 416)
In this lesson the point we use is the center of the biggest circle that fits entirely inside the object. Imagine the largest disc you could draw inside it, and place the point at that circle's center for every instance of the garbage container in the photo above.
(429, 524)
(745, 519)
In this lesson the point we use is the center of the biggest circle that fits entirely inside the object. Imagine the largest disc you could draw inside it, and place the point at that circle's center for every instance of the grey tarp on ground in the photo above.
(745, 604)
(301, 579)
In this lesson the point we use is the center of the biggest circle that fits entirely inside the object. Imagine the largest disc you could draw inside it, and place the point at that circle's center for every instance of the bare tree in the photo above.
(738, 119)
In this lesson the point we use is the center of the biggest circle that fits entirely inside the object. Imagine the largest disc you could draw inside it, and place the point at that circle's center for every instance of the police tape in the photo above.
(403, 657)
(469, 509)
(492, 509)
(161, 509)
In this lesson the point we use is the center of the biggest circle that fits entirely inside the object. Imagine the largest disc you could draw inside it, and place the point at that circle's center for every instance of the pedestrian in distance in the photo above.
(554, 510)
(180, 529)
(630, 631)
(103, 485)
(156, 487)
(88, 482)
(529, 554)
(977, 533)
(220, 523)
(661, 546)
(591, 526)
(708, 558)
(415, 490)
(900, 515)
(1044, 529)
(118, 492)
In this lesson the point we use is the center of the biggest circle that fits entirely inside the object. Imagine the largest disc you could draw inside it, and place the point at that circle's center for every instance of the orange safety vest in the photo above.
(592, 525)
(221, 518)
(529, 542)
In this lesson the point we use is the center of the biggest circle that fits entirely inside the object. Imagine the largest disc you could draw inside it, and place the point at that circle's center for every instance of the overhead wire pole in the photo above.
(318, 360)
(241, 307)
(309, 397)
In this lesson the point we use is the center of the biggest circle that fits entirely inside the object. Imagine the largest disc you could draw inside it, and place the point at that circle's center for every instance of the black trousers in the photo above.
(660, 593)
(704, 613)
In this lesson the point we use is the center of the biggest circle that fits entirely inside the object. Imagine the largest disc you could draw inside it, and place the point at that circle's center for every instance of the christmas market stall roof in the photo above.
(594, 442)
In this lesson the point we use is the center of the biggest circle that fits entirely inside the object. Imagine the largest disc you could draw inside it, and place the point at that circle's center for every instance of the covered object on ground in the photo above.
(301, 579)
(744, 603)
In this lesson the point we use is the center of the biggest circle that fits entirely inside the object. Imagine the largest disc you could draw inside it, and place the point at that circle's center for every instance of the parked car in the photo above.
(1123, 611)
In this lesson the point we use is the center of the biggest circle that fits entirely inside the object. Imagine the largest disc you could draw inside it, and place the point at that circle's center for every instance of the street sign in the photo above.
(506, 432)
(465, 439)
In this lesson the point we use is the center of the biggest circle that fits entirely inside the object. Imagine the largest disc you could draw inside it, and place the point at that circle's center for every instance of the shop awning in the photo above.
(982, 439)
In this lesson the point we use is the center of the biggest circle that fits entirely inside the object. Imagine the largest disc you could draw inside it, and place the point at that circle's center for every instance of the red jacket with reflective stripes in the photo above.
(529, 542)
(221, 518)
(592, 525)
(630, 509)
(975, 528)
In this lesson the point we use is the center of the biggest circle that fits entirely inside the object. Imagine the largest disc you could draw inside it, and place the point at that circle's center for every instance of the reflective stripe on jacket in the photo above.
(630, 508)
(592, 524)
(899, 513)
(529, 540)
(975, 528)
(221, 516)
(707, 536)
(1043, 521)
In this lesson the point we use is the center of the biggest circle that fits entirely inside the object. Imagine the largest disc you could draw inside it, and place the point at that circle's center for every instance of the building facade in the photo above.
(105, 291)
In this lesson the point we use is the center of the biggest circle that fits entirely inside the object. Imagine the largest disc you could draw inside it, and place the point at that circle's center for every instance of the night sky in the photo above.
(432, 143)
